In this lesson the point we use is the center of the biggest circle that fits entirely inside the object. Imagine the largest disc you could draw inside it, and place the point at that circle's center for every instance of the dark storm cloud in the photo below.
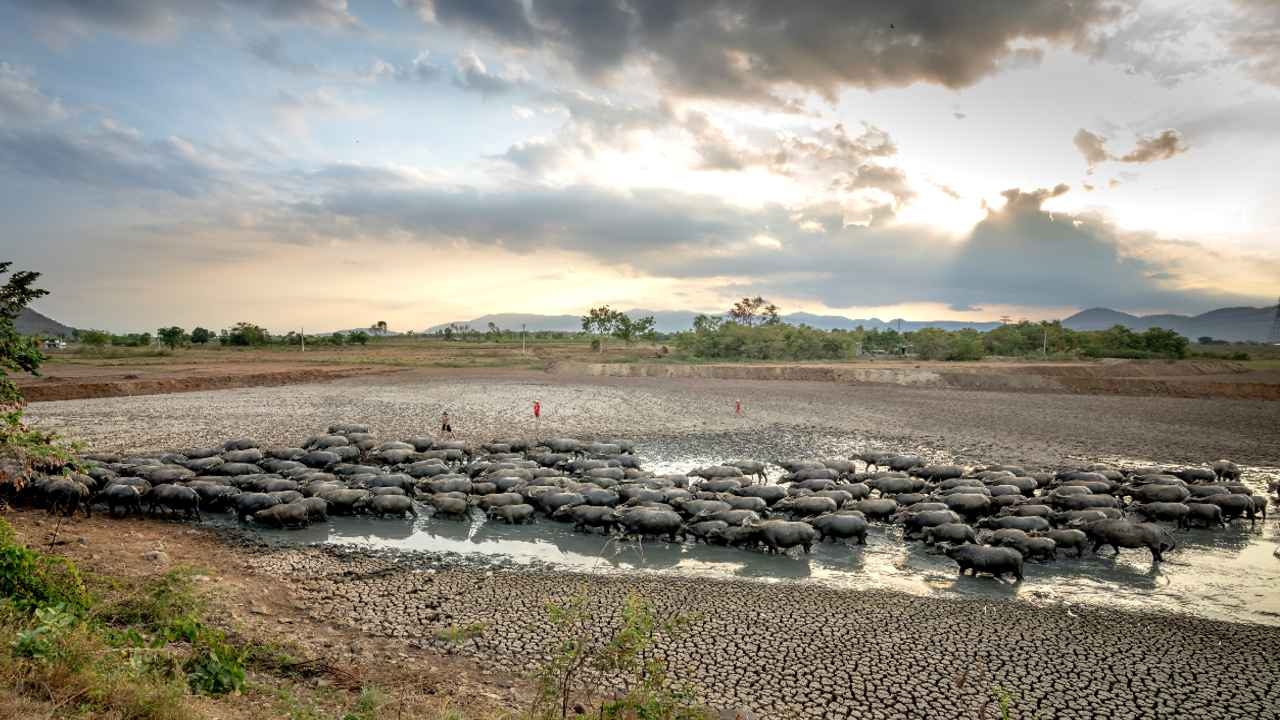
(151, 17)
(1019, 255)
(748, 49)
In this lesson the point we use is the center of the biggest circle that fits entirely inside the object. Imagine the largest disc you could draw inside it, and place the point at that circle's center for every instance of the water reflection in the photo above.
(1225, 574)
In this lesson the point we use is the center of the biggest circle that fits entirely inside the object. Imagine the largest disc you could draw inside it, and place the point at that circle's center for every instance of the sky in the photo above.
(330, 163)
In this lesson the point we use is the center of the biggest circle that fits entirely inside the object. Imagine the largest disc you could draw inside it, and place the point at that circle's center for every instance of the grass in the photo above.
(84, 645)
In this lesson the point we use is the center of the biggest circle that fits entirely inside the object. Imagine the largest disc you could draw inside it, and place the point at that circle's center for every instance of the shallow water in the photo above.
(1227, 574)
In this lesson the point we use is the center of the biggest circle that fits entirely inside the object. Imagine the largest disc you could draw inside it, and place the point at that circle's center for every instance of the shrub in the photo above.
(31, 580)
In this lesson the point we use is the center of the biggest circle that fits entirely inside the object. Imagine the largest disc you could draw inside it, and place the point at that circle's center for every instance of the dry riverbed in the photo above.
(798, 645)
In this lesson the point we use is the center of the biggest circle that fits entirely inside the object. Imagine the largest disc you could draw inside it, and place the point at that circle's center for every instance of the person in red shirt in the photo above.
(537, 409)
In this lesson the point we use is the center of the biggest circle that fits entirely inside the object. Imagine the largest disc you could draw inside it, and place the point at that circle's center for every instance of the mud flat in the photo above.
(799, 650)
(689, 418)
(1187, 379)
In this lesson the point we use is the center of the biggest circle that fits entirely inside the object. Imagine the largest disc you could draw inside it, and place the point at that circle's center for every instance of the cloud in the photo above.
(270, 50)
(1092, 146)
(1018, 255)
(1255, 38)
(111, 158)
(471, 74)
(753, 50)
(1148, 149)
(1160, 147)
(22, 102)
(160, 18)
(890, 180)
(420, 70)
(293, 110)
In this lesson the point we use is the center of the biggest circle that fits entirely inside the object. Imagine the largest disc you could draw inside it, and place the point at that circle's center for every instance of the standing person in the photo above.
(537, 409)
(445, 427)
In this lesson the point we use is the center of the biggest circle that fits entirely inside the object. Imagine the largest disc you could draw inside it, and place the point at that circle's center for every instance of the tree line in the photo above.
(752, 330)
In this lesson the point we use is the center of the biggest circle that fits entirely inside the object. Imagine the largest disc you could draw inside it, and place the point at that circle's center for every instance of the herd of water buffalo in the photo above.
(987, 519)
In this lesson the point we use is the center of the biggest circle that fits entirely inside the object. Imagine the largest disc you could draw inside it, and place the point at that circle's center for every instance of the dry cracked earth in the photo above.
(789, 650)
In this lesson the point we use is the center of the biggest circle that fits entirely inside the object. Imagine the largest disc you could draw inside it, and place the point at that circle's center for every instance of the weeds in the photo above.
(625, 655)
(458, 634)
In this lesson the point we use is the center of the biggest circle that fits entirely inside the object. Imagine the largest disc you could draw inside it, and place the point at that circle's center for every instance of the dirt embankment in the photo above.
(423, 676)
(71, 382)
(1190, 379)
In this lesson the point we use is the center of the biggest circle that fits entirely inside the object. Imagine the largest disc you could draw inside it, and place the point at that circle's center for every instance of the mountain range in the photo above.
(1236, 324)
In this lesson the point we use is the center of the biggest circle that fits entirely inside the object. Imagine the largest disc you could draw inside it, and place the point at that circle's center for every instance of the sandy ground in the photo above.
(780, 418)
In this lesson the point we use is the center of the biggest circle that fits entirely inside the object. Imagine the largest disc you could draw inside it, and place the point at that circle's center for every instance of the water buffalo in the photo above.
(781, 535)
(1169, 511)
(1123, 533)
(842, 525)
(705, 530)
(649, 521)
(994, 560)
(1067, 538)
(916, 522)
(512, 514)
(1027, 523)
(125, 496)
(284, 515)
(953, 533)
(1226, 470)
(174, 498)
(68, 495)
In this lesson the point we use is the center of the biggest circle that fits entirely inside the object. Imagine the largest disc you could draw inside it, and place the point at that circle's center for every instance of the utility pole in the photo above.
(303, 336)
(1044, 347)
(521, 338)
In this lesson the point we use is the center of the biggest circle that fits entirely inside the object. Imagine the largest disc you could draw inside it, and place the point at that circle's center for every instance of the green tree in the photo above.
(358, 337)
(172, 336)
(337, 338)
(1165, 343)
(94, 338)
(18, 353)
(201, 336)
(930, 343)
(602, 321)
(750, 310)
(707, 323)
(245, 334)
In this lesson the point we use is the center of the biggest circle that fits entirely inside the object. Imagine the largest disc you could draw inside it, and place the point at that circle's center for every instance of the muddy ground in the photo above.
(677, 416)
(791, 648)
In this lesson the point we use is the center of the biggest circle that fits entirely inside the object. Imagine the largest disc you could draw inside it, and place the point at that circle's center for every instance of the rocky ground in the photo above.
(792, 650)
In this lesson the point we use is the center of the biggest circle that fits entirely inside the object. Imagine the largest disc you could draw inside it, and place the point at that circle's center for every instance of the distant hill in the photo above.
(670, 321)
(1238, 324)
(30, 322)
